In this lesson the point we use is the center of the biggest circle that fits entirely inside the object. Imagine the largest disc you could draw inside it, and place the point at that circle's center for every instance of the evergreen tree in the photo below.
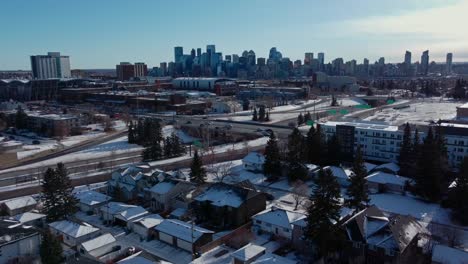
(255, 117)
(117, 193)
(334, 151)
(296, 171)
(131, 134)
(334, 102)
(21, 119)
(295, 145)
(357, 190)
(261, 113)
(459, 91)
(59, 201)
(458, 195)
(315, 146)
(267, 116)
(168, 148)
(406, 152)
(140, 135)
(153, 151)
(300, 119)
(323, 212)
(272, 165)
(50, 250)
(307, 117)
(197, 171)
(245, 105)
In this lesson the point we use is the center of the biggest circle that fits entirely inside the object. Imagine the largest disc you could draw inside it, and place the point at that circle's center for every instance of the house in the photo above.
(90, 201)
(179, 213)
(369, 166)
(340, 174)
(130, 182)
(138, 258)
(144, 225)
(126, 216)
(446, 255)
(387, 167)
(225, 205)
(19, 205)
(385, 182)
(253, 162)
(276, 221)
(312, 169)
(380, 239)
(273, 259)
(71, 233)
(248, 254)
(182, 235)
(120, 213)
(18, 244)
(224, 107)
(99, 246)
(163, 193)
(31, 219)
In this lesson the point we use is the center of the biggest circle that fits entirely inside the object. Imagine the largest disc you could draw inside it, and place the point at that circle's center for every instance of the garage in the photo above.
(165, 238)
(184, 245)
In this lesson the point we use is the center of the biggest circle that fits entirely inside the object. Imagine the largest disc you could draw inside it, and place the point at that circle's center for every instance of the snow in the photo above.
(448, 255)
(248, 252)
(132, 213)
(351, 101)
(220, 197)
(115, 207)
(182, 230)
(28, 217)
(218, 255)
(98, 242)
(386, 178)
(73, 229)
(272, 258)
(20, 202)
(162, 187)
(254, 158)
(91, 197)
(337, 172)
(135, 259)
(150, 221)
(388, 166)
(279, 217)
(184, 137)
(179, 212)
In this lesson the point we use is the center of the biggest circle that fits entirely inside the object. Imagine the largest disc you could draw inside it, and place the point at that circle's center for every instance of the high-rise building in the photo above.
(408, 58)
(381, 61)
(51, 65)
(365, 67)
(199, 52)
(192, 53)
(321, 59)
(125, 71)
(141, 69)
(228, 58)
(261, 61)
(448, 64)
(235, 58)
(308, 57)
(178, 53)
(424, 67)
(163, 68)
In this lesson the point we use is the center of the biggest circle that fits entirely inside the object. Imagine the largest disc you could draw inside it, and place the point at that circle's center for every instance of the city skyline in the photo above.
(96, 40)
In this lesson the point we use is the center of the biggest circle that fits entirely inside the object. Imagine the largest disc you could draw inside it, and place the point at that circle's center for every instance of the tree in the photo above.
(334, 101)
(153, 151)
(197, 172)
(245, 105)
(296, 145)
(168, 147)
(357, 190)
(299, 193)
(51, 250)
(406, 152)
(21, 118)
(59, 201)
(254, 116)
(315, 146)
(272, 165)
(323, 213)
(334, 151)
(458, 194)
(307, 117)
(459, 91)
(267, 116)
(300, 119)
(131, 133)
(261, 113)
(178, 148)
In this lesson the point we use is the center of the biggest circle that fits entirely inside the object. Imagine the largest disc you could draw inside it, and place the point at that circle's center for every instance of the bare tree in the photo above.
(107, 125)
(221, 171)
(299, 193)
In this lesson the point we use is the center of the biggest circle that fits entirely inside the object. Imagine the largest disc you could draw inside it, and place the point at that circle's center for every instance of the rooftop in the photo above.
(20, 202)
(387, 178)
(363, 125)
(150, 221)
(28, 217)
(248, 252)
(73, 229)
(182, 230)
(92, 197)
(9, 233)
(98, 242)
(279, 217)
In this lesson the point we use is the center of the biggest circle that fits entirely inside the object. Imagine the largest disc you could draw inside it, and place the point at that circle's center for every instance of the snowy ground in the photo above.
(417, 112)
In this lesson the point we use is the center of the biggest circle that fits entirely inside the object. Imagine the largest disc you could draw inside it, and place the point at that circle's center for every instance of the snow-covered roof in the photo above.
(388, 166)
(28, 217)
(91, 197)
(150, 221)
(248, 252)
(163, 187)
(182, 230)
(312, 167)
(369, 166)
(254, 158)
(73, 229)
(98, 242)
(20, 202)
(273, 258)
(115, 207)
(179, 212)
(448, 255)
(279, 217)
(337, 172)
(132, 213)
(387, 178)
(220, 195)
(135, 259)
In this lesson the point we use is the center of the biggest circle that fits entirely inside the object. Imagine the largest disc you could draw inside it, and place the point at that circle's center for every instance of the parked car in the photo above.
(36, 142)
(228, 126)
(188, 122)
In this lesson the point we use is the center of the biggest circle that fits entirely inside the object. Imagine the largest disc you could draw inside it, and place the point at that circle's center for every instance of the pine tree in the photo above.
(197, 171)
(255, 117)
(323, 212)
(307, 117)
(117, 193)
(168, 147)
(315, 146)
(140, 135)
(245, 105)
(295, 145)
(267, 116)
(357, 190)
(296, 171)
(261, 113)
(334, 151)
(131, 133)
(406, 152)
(21, 118)
(458, 195)
(272, 165)
(300, 119)
(57, 189)
(50, 250)
(153, 151)
(177, 146)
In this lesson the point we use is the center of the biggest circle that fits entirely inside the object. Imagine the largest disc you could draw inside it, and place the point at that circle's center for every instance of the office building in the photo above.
(125, 71)
(140, 69)
(448, 64)
(308, 57)
(424, 67)
(408, 58)
(52, 65)
(178, 53)
(163, 68)
(321, 59)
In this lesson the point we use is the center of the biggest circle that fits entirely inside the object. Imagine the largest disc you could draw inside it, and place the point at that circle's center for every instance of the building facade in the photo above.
(52, 65)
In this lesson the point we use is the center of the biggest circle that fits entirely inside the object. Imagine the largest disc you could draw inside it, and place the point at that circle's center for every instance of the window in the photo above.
(286, 230)
(268, 224)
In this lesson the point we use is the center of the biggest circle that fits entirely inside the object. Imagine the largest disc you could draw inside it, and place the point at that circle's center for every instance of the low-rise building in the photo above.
(225, 107)
(183, 235)
(72, 233)
(163, 193)
(130, 182)
(18, 244)
(276, 221)
(31, 219)
(90, 201)
(447, 255)
(248, 254)
(99, 246)
(385, 182)
(144, 225)
(340, 174)
(53, 125)
(253, 162)
(120, 213)
(19, 205)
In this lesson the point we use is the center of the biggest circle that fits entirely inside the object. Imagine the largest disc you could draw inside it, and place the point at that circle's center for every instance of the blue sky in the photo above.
(101, 33)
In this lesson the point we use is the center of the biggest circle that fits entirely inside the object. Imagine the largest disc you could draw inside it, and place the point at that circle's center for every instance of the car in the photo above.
(188, 122)
(269, 130)
(36, 142)
(259, 130)
(265, 133)
(228, 126)
(205, 117)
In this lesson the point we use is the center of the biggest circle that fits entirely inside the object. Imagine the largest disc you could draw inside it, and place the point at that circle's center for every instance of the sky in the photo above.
(102, 33)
